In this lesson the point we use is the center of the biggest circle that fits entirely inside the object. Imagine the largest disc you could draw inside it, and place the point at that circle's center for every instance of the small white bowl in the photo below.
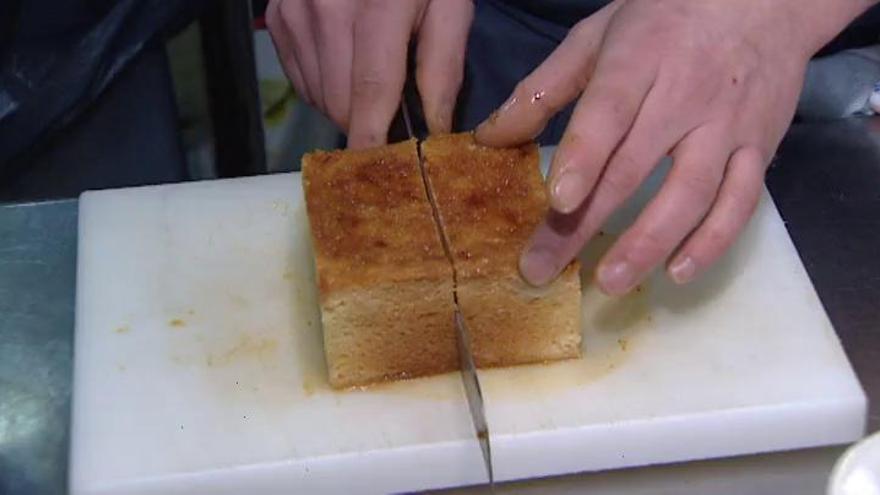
(857, 472)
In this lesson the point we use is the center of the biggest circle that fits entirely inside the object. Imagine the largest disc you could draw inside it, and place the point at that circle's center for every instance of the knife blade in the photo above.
(472, 391)
(466, 358)
(407, 121)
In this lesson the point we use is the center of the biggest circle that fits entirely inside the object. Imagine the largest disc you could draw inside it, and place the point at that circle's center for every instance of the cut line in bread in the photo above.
(488, 202)
(401, 233)
(383, 276)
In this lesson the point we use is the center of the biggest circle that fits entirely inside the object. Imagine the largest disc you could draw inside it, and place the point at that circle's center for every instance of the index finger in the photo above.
(601, 119)
(550, 87)
(381, 38)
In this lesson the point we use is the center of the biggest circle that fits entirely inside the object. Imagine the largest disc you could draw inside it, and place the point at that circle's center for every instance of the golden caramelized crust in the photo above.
(489, 200)
(371, 221)
(387, 283)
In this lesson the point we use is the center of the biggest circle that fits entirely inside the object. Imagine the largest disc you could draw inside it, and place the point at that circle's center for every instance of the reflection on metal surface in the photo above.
(472, 391)
(37, 286)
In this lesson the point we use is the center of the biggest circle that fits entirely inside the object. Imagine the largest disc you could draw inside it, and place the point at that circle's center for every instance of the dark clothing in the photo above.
(59, 56)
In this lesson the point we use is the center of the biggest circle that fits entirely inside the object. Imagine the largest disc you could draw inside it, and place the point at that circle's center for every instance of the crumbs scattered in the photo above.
(623, 343)
(122, 329)
(177, 323)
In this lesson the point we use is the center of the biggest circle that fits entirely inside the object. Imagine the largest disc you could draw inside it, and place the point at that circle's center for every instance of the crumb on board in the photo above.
(623, 343)
(122, 329)
(177, 323)
(308, 387)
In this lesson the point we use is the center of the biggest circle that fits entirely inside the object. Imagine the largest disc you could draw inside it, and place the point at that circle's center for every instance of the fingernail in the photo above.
(567, 192)
(617, 278)
(683, 270)
(537, 266)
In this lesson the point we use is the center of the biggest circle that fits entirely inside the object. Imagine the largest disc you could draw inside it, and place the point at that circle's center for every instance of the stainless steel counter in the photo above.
(37, 288)
(826, 183)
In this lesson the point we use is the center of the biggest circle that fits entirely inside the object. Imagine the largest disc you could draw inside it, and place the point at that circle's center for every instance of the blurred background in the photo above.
(110, 93)
(153, 92)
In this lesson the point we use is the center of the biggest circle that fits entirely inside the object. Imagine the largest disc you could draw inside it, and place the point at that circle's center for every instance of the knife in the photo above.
(465, 356)
(472, 390)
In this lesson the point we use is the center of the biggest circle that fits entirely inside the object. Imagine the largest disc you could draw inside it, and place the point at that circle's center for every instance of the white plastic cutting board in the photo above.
(199, 366)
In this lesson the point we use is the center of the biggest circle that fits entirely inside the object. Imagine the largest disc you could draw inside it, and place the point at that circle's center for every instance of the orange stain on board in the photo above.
(247, 347)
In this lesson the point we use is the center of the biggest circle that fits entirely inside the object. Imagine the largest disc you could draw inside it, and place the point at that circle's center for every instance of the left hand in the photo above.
(348, 58)
(713, 84)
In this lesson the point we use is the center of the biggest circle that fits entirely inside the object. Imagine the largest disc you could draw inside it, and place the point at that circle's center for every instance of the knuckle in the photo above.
(716, 239)
(368, 84)
(446, 75)
(701, 187)
(620, 179)
(618, 110)
(652, 243)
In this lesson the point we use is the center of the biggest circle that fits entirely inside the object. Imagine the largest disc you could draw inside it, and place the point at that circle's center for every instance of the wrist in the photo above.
(817, 22)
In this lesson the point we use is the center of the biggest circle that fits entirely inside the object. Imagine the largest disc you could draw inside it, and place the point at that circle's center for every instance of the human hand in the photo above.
(713, 84)
(347, 58)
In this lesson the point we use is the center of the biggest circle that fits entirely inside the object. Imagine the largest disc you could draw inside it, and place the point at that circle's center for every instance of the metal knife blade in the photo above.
(472, 390)
(407, 121)
(466, 358)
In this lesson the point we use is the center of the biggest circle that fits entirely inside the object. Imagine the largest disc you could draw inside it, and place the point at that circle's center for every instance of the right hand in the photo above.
(347, 58)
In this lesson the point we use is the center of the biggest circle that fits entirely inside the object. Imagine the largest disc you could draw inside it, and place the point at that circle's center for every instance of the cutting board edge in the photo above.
(846, 415)
(453, 463)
